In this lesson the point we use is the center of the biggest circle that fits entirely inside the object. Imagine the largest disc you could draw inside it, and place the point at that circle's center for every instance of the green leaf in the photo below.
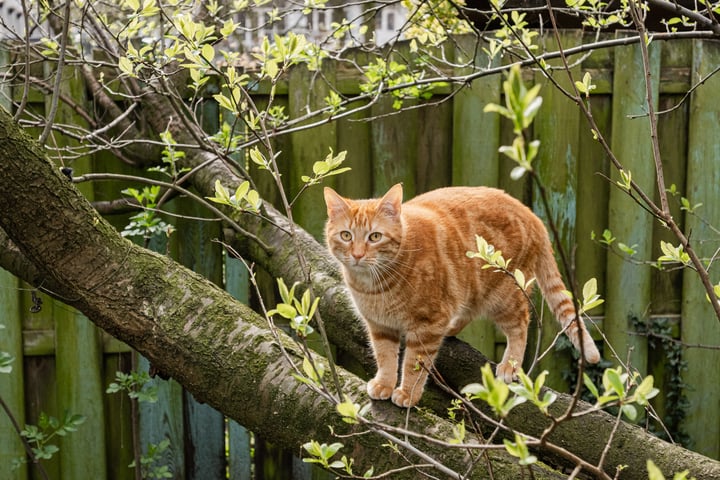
(208, 52)
(348, 410)
(242, 190)
(126, 66)
(627, 249)
(271, 68)
(645, 391)
(612, 381)
(518, 172)
(590, 288)
(285, 310)
(654, 472)
(314, 372)
(320, 167)
(257, 157)
(228, 28)
(629, 411)
(224, 102)
(221, 191)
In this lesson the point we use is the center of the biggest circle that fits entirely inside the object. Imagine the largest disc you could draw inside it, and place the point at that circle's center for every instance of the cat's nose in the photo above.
(357, 252)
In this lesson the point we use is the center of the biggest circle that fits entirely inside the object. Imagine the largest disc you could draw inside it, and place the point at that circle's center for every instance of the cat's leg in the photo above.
(514, 324)
(386, 348)
(420, 352)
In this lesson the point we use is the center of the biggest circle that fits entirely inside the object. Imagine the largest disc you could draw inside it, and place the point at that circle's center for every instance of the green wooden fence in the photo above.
(65, 363)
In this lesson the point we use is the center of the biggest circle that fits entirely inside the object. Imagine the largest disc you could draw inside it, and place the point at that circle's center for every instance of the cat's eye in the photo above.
(375, 236)
(345, 236)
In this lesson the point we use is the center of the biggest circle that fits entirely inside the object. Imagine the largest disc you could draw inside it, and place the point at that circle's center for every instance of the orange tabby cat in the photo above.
(406, 267)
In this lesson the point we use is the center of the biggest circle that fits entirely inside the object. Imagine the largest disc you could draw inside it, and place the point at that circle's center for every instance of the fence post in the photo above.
(628, 285)
(699, 325)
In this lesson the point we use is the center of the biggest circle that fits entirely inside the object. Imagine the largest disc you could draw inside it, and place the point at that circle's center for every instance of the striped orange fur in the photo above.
(406, 267)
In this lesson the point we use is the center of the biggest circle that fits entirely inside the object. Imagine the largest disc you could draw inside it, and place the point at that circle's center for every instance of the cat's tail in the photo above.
(553, 289)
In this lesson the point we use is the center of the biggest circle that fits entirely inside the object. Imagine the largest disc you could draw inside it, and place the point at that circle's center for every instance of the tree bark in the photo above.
(216, 347)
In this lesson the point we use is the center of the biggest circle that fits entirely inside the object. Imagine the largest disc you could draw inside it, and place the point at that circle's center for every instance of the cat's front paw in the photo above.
(378, 390)
(506, 372)
(403, 399)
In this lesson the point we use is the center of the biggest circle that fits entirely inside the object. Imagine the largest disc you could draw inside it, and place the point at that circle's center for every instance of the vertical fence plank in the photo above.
(307, 92)
(237, 283)
(38, 330)
(476, 134)
(673, 139)
(80, 391)
(593, 191)
(434, 153)
(475, 143)
(699, 324)
(118, 417)
(353, 135)
(394, 148)
(163, 419)
(204, 438)
(628, 293)
(557, 128)
(11, 384)
(666, 294)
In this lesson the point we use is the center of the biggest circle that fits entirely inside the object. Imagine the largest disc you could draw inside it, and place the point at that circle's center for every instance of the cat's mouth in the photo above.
(356, 263)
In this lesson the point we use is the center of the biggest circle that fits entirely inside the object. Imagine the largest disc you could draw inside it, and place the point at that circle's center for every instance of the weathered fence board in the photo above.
(239, 457)
(628, 285)
(703, 186)
(118, 426)
(80, 391)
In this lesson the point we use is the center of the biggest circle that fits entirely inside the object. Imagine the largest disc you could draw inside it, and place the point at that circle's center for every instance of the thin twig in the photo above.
(635, 12)
(58, 74)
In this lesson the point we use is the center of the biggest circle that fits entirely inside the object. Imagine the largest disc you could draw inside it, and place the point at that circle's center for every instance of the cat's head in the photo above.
(363, 234)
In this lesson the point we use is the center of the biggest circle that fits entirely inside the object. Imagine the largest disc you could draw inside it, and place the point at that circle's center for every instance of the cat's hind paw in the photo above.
(506, 372)
(379, 391)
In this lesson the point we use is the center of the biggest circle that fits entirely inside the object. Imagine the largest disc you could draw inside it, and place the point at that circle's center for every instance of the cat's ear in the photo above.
(336, 205)
(391, 203)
